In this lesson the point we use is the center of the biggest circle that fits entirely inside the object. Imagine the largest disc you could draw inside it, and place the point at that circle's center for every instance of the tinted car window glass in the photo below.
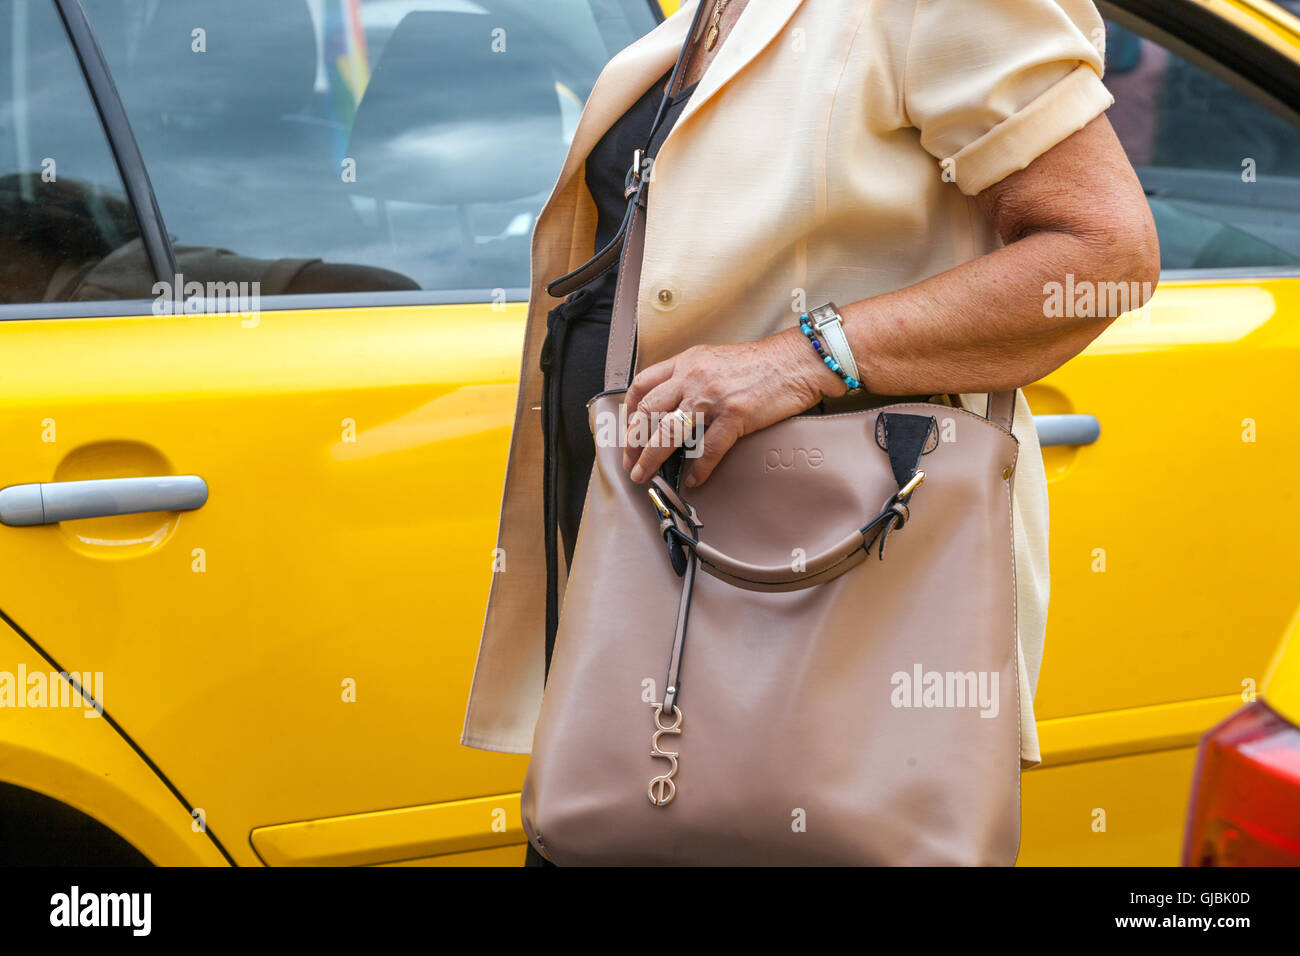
(1221, 171)
(63, 210)
(357, 145)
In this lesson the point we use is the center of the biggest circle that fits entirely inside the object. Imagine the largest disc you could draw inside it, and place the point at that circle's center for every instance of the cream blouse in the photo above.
(831, 151)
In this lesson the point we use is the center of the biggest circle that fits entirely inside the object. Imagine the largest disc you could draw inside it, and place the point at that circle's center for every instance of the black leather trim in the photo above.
(906, 437)
(931, 442)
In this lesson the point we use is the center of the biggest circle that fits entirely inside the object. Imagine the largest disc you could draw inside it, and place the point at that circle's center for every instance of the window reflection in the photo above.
(1221, 171)
(404, 144)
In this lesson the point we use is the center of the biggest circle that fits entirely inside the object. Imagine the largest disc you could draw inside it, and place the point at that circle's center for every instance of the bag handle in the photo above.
(680, 525)
(826, 566)
(906, 438)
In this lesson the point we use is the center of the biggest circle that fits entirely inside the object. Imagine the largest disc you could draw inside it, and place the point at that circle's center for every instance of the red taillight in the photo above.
(1245, 808)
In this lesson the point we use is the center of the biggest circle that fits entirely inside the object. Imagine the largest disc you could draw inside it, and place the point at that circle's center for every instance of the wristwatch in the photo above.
(828, 322)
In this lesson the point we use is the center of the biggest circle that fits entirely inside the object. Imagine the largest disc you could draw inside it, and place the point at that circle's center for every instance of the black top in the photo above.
(607, 167)
(587, 311)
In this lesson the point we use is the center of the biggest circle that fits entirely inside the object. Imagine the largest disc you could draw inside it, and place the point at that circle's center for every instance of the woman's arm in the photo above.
(983, 326)
(1078, 209)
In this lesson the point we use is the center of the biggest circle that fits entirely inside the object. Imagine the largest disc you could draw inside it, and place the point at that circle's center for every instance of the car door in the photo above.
(1171, 533)
(284, 294)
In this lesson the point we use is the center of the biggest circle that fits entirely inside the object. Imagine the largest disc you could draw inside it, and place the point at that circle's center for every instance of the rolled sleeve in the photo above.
(991, 85)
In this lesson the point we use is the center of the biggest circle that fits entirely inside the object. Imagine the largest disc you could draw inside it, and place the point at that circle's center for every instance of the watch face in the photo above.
(824, 313)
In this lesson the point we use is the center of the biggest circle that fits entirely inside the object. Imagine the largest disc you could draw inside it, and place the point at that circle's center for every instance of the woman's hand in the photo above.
(732, 390)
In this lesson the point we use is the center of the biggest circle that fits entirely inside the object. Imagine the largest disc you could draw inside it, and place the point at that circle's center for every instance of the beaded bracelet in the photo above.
(831, 364)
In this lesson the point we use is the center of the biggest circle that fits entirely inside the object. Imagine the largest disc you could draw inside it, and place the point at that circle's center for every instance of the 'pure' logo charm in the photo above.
(662, 789)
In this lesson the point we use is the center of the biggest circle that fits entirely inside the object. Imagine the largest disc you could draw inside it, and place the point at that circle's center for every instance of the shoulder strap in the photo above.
(605, 259)
(621, 354)
(620, 358)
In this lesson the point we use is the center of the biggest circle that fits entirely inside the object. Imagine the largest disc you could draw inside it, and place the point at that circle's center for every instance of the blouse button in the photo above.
(665, 298)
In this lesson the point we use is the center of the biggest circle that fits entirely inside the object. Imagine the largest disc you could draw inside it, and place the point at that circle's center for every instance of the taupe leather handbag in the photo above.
(837, 702)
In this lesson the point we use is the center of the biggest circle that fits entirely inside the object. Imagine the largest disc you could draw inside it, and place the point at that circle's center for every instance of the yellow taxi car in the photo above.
(261, 279)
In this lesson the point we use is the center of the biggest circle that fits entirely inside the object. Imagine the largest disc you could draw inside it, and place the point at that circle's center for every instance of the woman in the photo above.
(931, 165)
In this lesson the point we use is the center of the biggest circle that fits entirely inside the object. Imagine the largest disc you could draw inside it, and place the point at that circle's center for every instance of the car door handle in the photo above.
(53, 501)
(1066, 429)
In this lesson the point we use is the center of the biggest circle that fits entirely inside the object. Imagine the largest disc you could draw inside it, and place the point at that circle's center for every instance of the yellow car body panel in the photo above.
(1263, 20)
(1281, 687)
(1170, 592)
(301, 646)
(295, 655)
(373, 838)
(74, 756)
(1170, 581)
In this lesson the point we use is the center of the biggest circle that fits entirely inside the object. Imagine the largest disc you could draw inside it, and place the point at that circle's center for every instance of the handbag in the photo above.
(838, 702)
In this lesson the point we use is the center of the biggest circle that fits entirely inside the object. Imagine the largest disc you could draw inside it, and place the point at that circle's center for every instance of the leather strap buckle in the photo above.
(632, 181)
(659, 505)
(905, 492)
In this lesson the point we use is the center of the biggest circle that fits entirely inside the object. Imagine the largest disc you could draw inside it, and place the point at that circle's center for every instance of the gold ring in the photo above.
(685, 418)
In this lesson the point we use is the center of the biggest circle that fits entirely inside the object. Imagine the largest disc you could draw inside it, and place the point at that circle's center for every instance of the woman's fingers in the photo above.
(718, 440)
(647, 379)
(733, 389)
(669, 432)
(644, 417)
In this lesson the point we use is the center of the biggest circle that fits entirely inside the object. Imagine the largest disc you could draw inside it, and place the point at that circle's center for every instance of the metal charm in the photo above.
(662, 789)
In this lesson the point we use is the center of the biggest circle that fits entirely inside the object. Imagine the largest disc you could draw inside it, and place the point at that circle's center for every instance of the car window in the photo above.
(63, 208)
(319, 146)
(1221, 171)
